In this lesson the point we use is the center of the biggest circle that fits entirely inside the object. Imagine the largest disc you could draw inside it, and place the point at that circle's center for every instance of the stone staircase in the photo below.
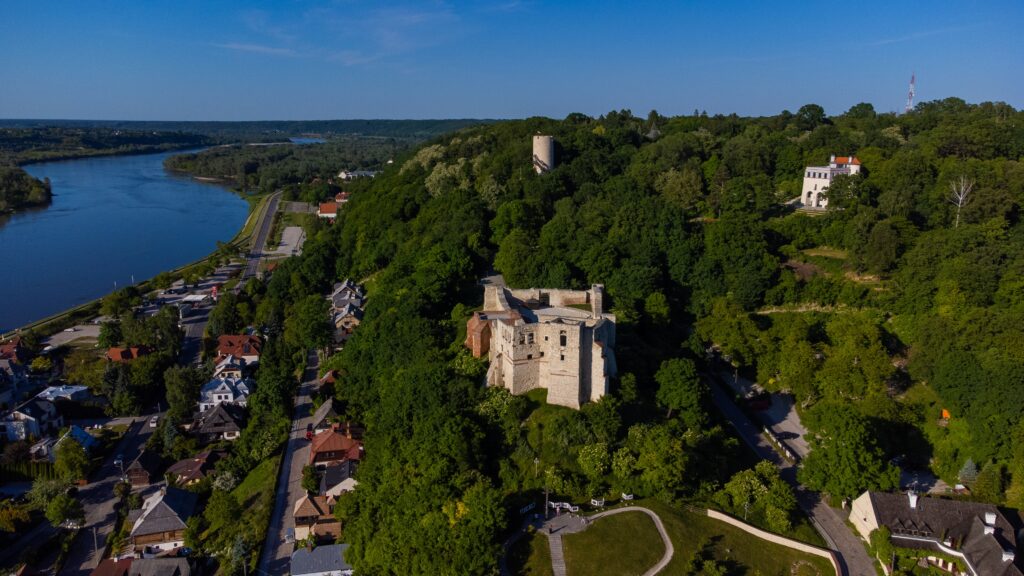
(557, 555)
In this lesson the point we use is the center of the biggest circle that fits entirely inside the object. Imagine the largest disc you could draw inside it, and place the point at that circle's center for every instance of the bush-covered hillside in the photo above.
(876, 315)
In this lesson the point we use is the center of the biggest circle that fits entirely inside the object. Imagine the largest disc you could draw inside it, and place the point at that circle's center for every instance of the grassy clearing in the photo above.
(260, 482)
(827, 252)
(530, 556)
(626, 543)
(693, 533)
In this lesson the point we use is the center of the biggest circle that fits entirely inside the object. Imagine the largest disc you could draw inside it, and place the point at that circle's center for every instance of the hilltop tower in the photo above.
(543, 153)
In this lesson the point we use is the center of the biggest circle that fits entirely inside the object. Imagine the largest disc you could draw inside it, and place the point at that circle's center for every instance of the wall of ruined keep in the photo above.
(572, 358)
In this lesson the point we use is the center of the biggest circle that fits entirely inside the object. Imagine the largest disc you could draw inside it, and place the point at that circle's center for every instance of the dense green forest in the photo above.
(304, 171)
(19, 190)
(893, 305)
(266, 130)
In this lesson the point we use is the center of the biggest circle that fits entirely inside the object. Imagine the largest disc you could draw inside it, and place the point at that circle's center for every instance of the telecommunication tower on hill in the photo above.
(910, 96)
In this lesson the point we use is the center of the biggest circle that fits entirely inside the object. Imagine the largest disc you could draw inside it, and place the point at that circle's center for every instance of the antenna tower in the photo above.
(910, 96)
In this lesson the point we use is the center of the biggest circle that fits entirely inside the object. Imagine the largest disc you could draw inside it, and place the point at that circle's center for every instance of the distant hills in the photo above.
(418, 129)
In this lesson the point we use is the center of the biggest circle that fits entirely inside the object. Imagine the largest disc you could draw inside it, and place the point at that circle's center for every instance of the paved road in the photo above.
(853, 557)
(98, 499)
(276, 555)
(262, 232)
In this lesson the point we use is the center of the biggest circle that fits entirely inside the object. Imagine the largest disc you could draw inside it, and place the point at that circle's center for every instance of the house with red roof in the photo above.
(818, 178)
(244, 347)
(123, 355)
(333, 446)
(328, 210)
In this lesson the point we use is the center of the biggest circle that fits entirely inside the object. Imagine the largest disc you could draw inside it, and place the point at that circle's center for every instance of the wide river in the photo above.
(111, 219)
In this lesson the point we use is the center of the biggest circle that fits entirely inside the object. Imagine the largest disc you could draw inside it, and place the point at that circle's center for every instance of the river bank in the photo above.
(84, 312)
(114, 221)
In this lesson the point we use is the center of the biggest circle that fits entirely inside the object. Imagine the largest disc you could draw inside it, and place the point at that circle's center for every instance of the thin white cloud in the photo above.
(919, 35)
(257, 49)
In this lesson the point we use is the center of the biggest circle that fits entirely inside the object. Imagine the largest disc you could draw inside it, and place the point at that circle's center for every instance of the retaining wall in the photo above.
(776, 539)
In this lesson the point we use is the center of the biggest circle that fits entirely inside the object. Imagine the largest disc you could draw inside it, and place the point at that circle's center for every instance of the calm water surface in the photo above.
(111, 218)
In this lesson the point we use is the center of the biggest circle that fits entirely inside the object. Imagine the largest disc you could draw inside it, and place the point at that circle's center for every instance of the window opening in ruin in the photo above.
(562, 338)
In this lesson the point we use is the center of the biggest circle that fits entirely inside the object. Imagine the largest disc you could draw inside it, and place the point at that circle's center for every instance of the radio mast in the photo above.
(910, 96)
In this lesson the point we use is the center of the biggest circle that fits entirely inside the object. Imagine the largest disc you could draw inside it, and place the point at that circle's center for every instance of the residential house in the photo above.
(229, 367)
(345, 322)
(33, 419)
(46, 448)
(321, 561)
(68, 393)
(245, 347)
(332, 446)
(314, 516)
(161, 567)
(14, 350)
(113, 567)
(13, 382)
(978, 534)
(123, 355)
(341, 198)
(224, 391)
(344, 293)
(353, 174)
(324, 416)
(145, 469)
(143, 567)
(224, 422)
(159, 525)
(328, 210)
(193, 470)
(339, 478)
(817, 179)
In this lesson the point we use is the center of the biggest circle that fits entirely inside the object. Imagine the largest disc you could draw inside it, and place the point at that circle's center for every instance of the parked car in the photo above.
(154, 421)
(119, 461)
(309, 431)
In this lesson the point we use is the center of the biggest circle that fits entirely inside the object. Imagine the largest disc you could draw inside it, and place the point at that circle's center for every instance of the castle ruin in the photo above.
(561, 340)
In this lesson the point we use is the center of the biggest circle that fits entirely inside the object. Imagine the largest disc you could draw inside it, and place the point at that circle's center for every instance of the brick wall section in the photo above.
(776, 539)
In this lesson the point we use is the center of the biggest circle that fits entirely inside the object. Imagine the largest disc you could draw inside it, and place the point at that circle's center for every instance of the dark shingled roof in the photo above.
(335, 474)
(160, 567)
(320, 559)
(960, 523)
(165, 512)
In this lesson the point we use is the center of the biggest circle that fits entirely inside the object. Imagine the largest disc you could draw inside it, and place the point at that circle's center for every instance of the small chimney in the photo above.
(913, 499)
(832, 159)
(1008, 555)
(990, 529)
(990, 519)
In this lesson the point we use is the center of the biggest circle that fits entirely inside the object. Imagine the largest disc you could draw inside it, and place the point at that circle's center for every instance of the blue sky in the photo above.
(322, 59)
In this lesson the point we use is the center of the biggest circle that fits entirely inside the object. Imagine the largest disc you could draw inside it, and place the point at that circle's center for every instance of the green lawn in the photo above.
(742, 552)
(530, 556)
(626, 544)
(260, 481)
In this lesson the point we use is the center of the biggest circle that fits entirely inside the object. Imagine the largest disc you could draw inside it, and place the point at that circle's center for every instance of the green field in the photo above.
(626, 544)
(530, 556)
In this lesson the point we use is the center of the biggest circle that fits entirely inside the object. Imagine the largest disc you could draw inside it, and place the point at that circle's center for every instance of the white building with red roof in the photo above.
(818, 178)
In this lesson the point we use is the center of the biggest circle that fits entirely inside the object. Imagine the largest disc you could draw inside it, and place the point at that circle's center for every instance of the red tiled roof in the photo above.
(341, 197)
(328, 208)
(847, 160)
(118, 354)
(334, 441)
(238, 345)
(111, 567)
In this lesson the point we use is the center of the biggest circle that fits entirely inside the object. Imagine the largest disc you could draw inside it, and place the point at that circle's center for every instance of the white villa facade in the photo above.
(818, 178)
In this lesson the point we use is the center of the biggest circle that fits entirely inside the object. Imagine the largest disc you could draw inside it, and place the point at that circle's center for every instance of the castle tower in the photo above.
(543, 153)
